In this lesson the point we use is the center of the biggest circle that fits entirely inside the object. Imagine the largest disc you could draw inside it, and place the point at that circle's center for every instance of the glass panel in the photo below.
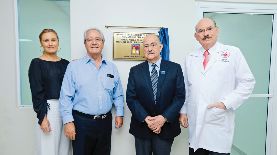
(252, 34)
(250, 131)
(33, 16)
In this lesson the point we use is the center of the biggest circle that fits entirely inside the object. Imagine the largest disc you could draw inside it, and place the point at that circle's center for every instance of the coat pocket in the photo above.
(215, 116)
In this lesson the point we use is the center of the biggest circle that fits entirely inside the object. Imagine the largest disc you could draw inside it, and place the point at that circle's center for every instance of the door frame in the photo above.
(255, 8)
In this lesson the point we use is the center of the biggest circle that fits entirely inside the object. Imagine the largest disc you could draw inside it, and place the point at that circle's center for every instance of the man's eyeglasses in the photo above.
(150, 45)
(208, 29)
(97, 39)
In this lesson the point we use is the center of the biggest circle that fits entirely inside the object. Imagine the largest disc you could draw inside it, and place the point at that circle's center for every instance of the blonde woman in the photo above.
(45, 77)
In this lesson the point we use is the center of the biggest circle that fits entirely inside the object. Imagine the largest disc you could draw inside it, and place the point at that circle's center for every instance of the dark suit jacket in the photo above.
(170, 98)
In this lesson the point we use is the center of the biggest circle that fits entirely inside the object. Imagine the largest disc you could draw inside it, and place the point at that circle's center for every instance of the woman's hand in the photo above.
(45, 125)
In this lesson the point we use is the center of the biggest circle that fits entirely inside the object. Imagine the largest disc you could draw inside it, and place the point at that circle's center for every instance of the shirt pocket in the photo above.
(215, 116)
(108, 83)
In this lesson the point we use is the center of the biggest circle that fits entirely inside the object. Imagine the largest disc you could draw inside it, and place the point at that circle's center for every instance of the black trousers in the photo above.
(93, 136)
(201, 151)
(154, 145)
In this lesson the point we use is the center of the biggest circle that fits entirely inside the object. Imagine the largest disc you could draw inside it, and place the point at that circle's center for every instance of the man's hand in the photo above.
(45, 125)
(157, 130)
(118, 121)
(69, 130)
(149, 122)
(219, 105)
(159, 121)
(183, 119)
(155, 123)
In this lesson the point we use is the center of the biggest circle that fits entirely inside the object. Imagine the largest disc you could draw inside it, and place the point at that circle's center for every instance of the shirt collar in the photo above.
(158, 63)
(89, 59)
(211, 50)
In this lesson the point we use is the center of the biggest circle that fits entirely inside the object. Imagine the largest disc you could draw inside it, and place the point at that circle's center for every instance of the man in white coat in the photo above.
(218, 80)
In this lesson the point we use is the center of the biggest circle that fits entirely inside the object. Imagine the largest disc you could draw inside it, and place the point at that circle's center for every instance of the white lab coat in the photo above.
(228, 79)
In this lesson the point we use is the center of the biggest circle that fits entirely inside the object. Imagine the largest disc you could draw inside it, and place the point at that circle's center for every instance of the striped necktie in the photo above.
(154, 80)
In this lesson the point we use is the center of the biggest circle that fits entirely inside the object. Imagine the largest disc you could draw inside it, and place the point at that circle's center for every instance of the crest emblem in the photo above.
(225, 56)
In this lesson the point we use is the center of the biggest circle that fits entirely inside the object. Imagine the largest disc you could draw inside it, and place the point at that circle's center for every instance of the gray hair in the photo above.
(209, 18)
(94, 29)
(155, 35)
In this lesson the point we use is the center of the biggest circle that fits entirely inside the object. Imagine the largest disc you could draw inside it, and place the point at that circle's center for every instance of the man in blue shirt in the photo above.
(90, 87)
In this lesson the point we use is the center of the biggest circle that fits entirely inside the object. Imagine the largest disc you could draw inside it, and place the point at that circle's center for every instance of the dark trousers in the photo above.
(201, 151)
(154, 145)
(93, 136)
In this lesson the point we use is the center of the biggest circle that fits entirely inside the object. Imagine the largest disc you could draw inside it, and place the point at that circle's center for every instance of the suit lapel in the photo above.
(162, 74)
(147, 78)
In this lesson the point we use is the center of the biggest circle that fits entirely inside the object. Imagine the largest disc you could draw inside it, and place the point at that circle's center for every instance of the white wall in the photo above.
(176, 15)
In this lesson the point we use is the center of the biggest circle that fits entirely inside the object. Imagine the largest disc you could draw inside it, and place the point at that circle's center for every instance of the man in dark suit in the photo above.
(155, 95)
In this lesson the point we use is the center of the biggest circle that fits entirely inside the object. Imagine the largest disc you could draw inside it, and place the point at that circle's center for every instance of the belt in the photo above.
(95, 117)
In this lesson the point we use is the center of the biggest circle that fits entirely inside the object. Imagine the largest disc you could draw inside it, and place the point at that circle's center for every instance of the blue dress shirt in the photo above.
(90, 90)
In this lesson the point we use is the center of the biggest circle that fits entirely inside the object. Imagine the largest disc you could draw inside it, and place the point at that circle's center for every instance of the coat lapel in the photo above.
(147, 78)
(198, 61)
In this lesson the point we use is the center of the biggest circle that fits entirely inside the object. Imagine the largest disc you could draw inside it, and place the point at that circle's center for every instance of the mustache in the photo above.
(206, 37)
